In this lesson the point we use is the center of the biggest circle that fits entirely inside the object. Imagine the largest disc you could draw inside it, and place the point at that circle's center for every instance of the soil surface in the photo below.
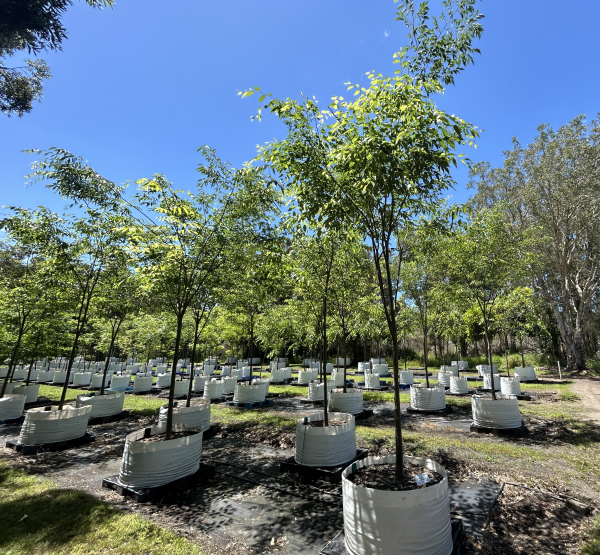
(383, 476)
(589, 390)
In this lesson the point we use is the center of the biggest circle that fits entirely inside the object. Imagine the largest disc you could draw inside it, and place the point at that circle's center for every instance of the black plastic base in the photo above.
(259, 405)
(107, 419)
(328, 473)
(510, 432)
(58, 446)
(439, 412)
(143, 495)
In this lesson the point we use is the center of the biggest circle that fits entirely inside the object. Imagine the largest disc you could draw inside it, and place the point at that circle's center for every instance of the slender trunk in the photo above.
(251, 344)
(13, 359)
(506, 353)
(344, 355)
(189, 396)
(113, 338)
(489, 357)
(324, 363)
(522, 353)
(173, 376)
(29, 373)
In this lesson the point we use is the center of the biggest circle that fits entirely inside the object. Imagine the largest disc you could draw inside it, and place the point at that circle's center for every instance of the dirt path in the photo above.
(589, 390)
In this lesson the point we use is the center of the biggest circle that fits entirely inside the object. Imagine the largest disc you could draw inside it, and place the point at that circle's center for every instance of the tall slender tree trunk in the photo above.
(13, 360)
(173, 377)
(522, 353)
(189, 396)
(489, 357)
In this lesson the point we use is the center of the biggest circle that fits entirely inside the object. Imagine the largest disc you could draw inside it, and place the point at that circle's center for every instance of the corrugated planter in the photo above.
(108, 404)
(42, 426)
(192, 417)
(30, 391)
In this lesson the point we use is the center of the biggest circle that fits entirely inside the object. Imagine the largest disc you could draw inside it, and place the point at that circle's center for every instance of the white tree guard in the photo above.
(199, 382)
(226, 371)
(45, 376)
(305, 376)
(55, 425)
(250, 393)
(458, 385)
(12, 406)
(287, 373)
(278, 376)
(108, 404)
(452, 369)
(485, 369)
(82, 378)
(316, 391)
(160, 462)
(97, 380)
(326, 446)
(340, 361)
(181, 387)
(193, 417)
(329, 368)
(230, 384)
(510, 386)
(350, 402)
(525, 373)
(120, 382)
(337, 378)
(31, 391)
(142, 383)
(59, 377)
(487, 381)
(208, 370)
(377, 361)
(246, 372)
(163, 380)
(502, 413)
(444, 378)
(380, 522)
(214, 389)
(19, 373)
(427, 398)
(381, 369)
(364, 367)
(372, 381)
(406, 377)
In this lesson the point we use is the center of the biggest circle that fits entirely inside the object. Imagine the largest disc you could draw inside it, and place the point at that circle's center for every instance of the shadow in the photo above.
(546, 432)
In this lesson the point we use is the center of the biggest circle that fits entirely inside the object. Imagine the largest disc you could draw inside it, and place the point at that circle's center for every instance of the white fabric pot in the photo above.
(485, 369)
(337, 378)
(525, 373)
(3, 371)
(19, 373)
(142, 383)
(276, 365)
(458, 384)
(120, 382)
(59, 377)
(377, 361)
(163, 380)
(12, 406)
(33, 375)
(406, 377)
(30, 391)
(364, 367)
(510, 386)
(427, 398)
(316, 391)
(444, 378)
(230, 384)
(181, 387)
(329, 368)
(236, 373)
(231, 360)
(45, 376)
(249, 393)
(487, 382)
(192, 417)
(214, 389)
(305, 376)
(199, 382)
(108, 404)
(208, 370)
(256, 361)
(242, 363)
(450, 369)
(380, 522)
(503, 413)
(340, 362)
(246, 371)
(97, 380)
(287, 374)
(160, 462)
(372, 381)
(225, 371)
(350, 402)
(82, 378)
(278, 376)
(54, 425)
(327, 446)
(381, 369)
(10, 386)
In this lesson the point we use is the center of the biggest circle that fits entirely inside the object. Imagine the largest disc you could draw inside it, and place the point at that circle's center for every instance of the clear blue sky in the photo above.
(138, 88)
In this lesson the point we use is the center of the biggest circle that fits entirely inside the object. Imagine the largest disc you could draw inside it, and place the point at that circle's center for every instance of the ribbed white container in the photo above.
(208, 370)
(381, 369)
(108, 404)
(250, 393)
(525, 373)
(82, 378)
(192, 417)
(230, 384)
(163, 380)
(451, 369)
(380, 522)
(305, 376)
(325, 446)
(277, 376)
(214, 389)
(97, 380)
(340, 362)
(30, 391)
(487, 382)
(199, 382)
(45, 376)
(142, 383)
(350, 402)
(337, 377)
(502, 413)
(458, 385)
(406, 377)
(427, 398)
(372, 381)
(510, 386)
(225, 371)
(59, 377)
(316, 391)
(120, 382)
(55, 425)
(19, 373)
(12, 406)
(364, 367)
(181, 388)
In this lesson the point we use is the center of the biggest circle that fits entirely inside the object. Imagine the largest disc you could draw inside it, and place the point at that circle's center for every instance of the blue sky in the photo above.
(137, 89)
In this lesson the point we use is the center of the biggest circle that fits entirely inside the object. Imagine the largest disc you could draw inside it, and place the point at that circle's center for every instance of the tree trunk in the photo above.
(189, 396)
(489, 357)
(173, 376)
(13, 360)
(522, 353)
(324, 363)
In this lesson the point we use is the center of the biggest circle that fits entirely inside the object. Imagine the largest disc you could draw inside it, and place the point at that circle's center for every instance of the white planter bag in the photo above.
(364, 366)
(305, 376)
(510, 386)
(236, 373)
(82, 378)
(199, 382)
(425, 398)
(525, 373)
(120, 382)
(97, 380)
(231, 360)
(277, 376)
(59, 377)
(230, 384)
(287, 374)
(316, 391)
(30, 391)
(503, 413)
(10, 386)
(181, 388)
(350, 402)
(142, 383)
(3, 371)
(377, 361)
(276, 365)
(12, 406)
(487, 382)
(208, 370)
(225, 371)
(19, 374)
(406, 377)
(108, 404)
(329, 368)
(256, 361)
(381, 369)
(249, 393)
(163, 380)
(340, 362)
(372, 381)
(458, 385)
(246, 372)
(45, 376)
(192, 417)
(242, 363)
(337, 378)
(380, 522)
(54, 425)
(327, 446)
(451, 369)
(485, 369)
(444, 378)
(161, 462)
(214, 389)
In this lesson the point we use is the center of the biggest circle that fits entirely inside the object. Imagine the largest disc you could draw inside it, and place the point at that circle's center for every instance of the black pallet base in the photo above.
(331, 474)
(177, 397)
(381, 388)
(259, 405)
(107, 419)
(509, 432)
(58, 446)
(366, 413)
(153, 391)
(143, 495)
(306, 401)
(523, 397)
(337, 547)
(11, 421)
(439, 412)
(467, 394)
(296, 384)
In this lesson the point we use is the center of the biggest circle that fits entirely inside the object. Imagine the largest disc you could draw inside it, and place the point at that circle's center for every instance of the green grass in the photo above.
(54, 392)
(142, 406)
(592, 546)
(262, 419)
(60, 522)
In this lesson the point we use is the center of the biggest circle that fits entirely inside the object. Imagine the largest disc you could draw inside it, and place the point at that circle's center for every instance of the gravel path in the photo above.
(589, 390)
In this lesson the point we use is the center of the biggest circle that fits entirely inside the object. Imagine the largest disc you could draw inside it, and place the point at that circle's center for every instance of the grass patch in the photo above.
(249, 418)
(54, 393)
(592, 546)
(142, 405)
(61, 522)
